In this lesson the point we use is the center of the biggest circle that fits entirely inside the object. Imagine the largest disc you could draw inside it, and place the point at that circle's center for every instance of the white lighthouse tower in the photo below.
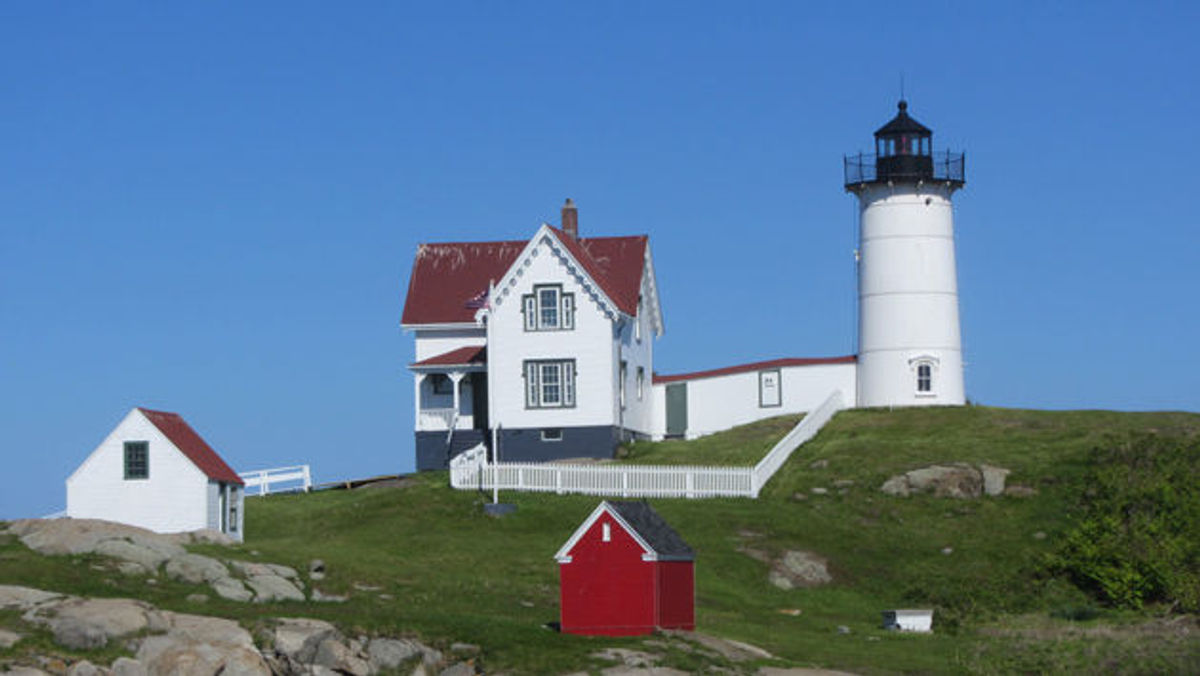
(909, 341)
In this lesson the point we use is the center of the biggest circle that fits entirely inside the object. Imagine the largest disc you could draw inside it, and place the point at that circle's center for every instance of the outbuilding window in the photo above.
(137, 460)
(550, 383)
(549, 309)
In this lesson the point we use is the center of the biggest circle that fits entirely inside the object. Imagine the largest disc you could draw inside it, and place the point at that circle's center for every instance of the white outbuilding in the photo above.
(154, 471)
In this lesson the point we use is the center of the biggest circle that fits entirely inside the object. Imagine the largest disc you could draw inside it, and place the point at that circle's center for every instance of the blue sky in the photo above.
(211, 208)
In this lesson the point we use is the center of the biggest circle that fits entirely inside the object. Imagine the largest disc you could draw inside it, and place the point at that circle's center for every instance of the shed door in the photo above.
(677, 409)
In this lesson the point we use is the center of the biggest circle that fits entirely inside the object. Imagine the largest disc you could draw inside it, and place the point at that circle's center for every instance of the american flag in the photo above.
(479, 300)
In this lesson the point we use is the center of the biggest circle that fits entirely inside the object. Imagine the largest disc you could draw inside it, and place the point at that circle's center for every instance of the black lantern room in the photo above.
(904, 154)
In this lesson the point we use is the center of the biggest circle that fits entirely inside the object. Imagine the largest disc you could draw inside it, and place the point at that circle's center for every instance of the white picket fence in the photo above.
(471, 470)
(297, 478)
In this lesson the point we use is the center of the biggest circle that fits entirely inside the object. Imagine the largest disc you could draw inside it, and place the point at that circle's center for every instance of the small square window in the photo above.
(137, 460)
(552, 434)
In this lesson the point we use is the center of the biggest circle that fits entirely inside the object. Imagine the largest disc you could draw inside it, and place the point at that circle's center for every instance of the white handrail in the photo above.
(263, 479)
(805, 430)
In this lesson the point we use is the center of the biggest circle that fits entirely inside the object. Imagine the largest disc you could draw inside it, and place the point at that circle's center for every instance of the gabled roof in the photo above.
(659, 541)
(473, 355)
(450, 280)
(755, 366)
(176, 429)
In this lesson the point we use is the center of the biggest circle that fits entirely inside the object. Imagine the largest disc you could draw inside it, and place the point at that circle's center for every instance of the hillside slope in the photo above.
(421, 558)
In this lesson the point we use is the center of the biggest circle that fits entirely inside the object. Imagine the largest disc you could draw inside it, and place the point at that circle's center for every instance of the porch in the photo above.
(451, 391)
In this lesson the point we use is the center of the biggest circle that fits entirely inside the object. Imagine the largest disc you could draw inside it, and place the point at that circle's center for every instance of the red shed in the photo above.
(625, 571)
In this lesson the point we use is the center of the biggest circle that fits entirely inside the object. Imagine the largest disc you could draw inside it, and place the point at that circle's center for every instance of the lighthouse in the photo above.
(909, 340)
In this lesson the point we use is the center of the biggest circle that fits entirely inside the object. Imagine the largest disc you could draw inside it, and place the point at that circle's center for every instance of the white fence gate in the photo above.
(471, 470)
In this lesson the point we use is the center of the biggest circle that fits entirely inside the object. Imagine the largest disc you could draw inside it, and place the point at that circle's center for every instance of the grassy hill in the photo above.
(421, 558)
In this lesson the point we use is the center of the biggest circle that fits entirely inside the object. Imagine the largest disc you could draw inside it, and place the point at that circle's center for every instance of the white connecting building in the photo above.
(542, 349)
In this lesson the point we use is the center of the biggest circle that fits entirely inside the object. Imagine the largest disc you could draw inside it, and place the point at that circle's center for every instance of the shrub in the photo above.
(1137, 533)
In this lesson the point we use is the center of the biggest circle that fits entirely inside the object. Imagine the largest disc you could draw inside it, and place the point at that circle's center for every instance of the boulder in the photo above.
(993, 479)
(947, 481)
(800, 569)
(389, 653)
(232, 589)
(335, 655)
(84, 668)
(195, 644)
(298, 637)
(124, 666)
(77, 635)
(196, 568)
(460, 669)
(84, 624)
(22, 670)
(273, 588)
(897, 485)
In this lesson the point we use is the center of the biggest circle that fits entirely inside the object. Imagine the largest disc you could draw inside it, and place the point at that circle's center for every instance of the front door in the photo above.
(479, 400)
(677, 410)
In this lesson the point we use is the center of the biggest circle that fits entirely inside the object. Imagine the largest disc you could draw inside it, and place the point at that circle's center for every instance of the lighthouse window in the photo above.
(924, 378)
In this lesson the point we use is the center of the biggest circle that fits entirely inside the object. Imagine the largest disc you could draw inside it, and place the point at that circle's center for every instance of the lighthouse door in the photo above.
(677, 410)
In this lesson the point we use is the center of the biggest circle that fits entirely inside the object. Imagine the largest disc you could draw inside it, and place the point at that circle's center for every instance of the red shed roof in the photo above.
(756, 366)
(474, 355)
(175, 428)
(449, 280)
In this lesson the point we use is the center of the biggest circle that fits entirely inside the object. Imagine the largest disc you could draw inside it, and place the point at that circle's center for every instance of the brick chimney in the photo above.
(570, 219)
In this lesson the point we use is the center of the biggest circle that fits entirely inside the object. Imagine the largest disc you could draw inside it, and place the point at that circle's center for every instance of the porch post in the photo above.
(456, 378)
(417, 378)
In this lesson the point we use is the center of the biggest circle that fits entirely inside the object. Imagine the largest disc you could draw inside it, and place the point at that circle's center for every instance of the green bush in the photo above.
(1136, 539)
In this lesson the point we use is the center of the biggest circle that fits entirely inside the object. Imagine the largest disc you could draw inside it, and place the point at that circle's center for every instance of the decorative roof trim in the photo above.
(564, 553)
(548, 235)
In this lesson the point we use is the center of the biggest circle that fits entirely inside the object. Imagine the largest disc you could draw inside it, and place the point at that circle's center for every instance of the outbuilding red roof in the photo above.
(756, 366)
(450, 280)
(175, 428)
(474, 355)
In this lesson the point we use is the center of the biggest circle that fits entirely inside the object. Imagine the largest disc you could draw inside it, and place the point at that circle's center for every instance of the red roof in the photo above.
(448, 277)
(463, 356)
(175, 428)
(756, 366)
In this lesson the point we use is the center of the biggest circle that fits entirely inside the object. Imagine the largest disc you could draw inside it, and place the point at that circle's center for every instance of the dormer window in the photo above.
(549, 309)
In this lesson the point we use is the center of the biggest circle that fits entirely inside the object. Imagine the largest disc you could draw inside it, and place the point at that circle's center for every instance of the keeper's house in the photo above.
(155, 472)
(625, 571)
(541, 349)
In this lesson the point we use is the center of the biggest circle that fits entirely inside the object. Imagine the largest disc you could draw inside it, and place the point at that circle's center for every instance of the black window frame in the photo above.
(137, 469)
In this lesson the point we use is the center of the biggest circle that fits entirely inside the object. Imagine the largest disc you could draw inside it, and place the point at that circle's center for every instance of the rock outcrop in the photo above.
(957, 480)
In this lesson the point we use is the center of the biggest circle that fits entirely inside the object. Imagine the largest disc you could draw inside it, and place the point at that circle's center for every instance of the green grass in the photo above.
(450, 573)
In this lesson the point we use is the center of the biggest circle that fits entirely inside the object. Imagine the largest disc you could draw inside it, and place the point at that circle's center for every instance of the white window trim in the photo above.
(534, 372)
(932, 364)
(563, 305)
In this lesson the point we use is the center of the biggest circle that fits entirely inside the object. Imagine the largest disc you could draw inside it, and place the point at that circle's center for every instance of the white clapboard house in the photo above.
(545, 344)
(154, 471)
(540, 348)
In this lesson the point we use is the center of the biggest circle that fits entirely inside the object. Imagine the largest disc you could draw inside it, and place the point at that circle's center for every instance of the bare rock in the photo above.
(283, 571)
(84, 668)
(131, 568)
(458, 647)
(147, 558)
(249, 568)
(196, 568)
(318, 595)
(8, 639)
(1020, 491)
(460, 669)
(627, 657)
(195, 644)
(298, 637)
(993, 479)
(232, 589)
(897, 485)
(799, 568)
(78, 635)
(85, 624)
(273, 588)
(124, 666)
(24, 598)
(335, 655)
(642, 671)
(735, 651)
(204, 536)
(22, 670)
(389, 653)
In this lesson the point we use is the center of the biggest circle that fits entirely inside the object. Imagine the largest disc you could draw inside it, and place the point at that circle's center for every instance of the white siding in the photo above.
(173, 499)
(590, 344)
(720, 402)
(432, 342)
(637, 414)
